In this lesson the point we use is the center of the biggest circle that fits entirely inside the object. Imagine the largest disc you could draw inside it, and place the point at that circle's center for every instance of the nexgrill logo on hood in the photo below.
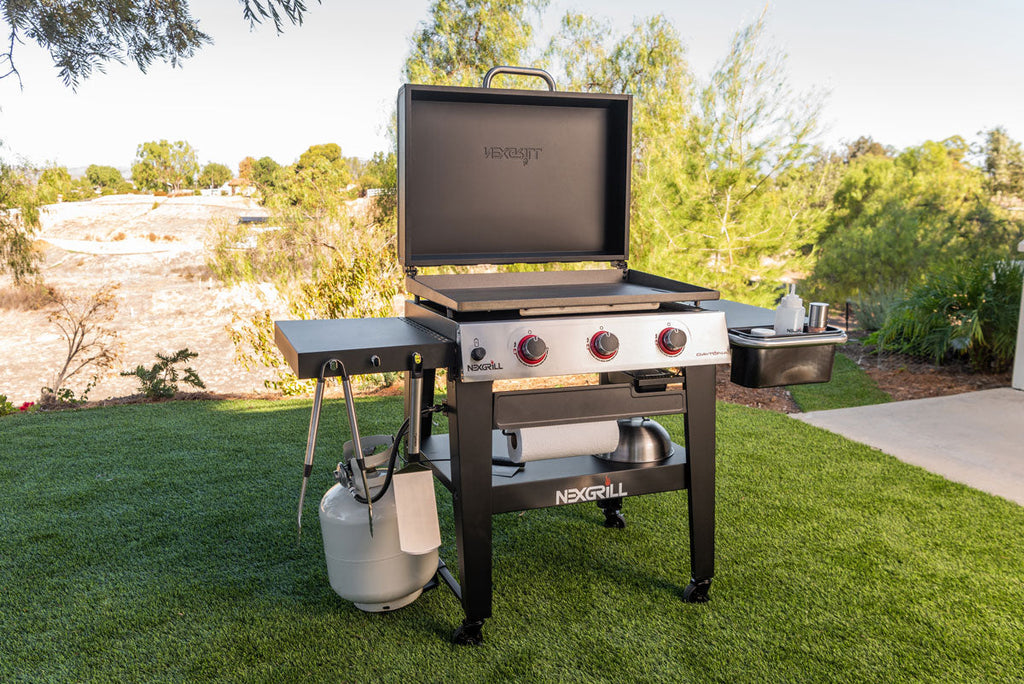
(592, 493)
(523, 154)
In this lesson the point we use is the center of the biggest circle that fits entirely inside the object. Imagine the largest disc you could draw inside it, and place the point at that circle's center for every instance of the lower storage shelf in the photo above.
(554, 482)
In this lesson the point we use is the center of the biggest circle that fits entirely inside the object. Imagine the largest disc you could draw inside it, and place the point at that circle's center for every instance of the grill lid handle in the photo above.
(519, 71)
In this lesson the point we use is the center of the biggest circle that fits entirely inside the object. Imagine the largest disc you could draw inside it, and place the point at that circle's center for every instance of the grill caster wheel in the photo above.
(697, 591)
(613, 518)
(469, 633)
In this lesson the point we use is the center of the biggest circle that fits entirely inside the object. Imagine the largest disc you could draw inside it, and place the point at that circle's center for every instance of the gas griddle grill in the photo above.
(490, 176)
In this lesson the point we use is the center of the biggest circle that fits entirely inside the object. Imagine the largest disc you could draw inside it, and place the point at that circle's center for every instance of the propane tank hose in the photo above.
(392, 459)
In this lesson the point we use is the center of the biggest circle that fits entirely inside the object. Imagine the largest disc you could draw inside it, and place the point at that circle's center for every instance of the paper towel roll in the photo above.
(560, 441)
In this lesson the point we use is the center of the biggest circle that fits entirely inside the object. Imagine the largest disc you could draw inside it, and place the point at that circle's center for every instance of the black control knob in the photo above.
(671, 341)
(531, 350)
(478, 353)
(604, 345)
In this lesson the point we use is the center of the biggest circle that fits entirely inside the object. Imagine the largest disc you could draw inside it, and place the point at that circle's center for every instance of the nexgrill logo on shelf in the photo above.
(592, 493)
(524, 154)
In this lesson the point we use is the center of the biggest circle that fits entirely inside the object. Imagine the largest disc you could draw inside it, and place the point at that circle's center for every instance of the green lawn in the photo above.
(849, 386)
(157, 543)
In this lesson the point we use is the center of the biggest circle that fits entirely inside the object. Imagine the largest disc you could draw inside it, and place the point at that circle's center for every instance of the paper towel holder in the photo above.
(641, 440)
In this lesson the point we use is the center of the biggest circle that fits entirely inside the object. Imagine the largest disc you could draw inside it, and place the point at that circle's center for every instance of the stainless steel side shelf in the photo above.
(796, 359)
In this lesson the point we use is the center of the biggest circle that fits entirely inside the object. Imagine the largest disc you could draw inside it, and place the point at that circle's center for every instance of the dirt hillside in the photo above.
(152, 247)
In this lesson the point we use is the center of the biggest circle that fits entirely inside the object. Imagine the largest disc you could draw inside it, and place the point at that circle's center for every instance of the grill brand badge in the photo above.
(592, 493)
(523, 154)
(490, 365)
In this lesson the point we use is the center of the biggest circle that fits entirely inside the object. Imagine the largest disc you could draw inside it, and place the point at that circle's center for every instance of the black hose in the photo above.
(392, 459)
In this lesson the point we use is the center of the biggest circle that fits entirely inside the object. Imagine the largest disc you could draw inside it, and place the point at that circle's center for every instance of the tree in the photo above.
(214, 175)
(325, 260)
(735, 196)
(164, 166)
(264, 174)
(894, 219)
(82, 321)
(462, 39)
(19, 218)
(1004, 163)
(55, 185)
(85, 35)
(863, 145)
(106, 178)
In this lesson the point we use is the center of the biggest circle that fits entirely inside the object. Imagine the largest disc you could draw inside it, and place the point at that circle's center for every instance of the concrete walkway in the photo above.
(975, 438)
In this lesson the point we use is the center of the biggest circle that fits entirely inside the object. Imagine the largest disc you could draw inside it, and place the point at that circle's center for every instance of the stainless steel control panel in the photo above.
(541, 347)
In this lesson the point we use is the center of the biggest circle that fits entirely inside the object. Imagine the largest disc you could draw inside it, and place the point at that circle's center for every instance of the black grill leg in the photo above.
(612, 513)
(469, 428)
(700, 474)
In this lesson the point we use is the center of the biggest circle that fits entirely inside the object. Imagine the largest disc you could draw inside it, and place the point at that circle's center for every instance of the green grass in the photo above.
(157, 543)
(849, 386)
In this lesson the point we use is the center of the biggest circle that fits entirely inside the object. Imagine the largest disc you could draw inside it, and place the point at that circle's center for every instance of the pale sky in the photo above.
(901, 71)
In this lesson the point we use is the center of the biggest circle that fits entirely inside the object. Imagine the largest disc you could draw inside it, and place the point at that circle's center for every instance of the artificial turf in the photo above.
(849, 386)
(156, 542)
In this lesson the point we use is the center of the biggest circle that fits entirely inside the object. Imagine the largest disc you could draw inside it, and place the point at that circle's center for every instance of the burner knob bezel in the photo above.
(667, 346)
(597, 341)
(527, 350)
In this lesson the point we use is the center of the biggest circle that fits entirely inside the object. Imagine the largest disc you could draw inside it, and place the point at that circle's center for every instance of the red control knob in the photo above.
(671, 341)
(531, 350)
(604, 345)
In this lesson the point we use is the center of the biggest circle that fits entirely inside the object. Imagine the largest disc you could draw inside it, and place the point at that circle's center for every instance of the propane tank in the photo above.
(372, 571)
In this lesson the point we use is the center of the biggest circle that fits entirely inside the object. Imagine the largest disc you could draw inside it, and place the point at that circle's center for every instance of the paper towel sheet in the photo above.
(560, 441)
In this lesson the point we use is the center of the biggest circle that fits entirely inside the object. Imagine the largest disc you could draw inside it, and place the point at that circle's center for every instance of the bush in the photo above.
(874, 306)
(161, 381)
(962, 310)
(6, 407)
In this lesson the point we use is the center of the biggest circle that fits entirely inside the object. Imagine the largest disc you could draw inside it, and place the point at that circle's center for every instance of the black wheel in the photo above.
(697, 591)
(469, 633)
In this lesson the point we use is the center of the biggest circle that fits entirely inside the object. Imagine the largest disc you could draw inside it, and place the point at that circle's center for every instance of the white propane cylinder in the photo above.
(372, 572)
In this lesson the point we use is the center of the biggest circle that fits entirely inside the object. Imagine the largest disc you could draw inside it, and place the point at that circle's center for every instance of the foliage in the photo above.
(894, 218)
(54, 185)
(214, 175)
(734, 196)
(1004, 163)
(30, 295)
(326, 259)
(874, 306)
(264, 174)
(164, 166)
(962, 309)
(19, 219)
(107, 178)
(6, 407)
(462, 39)
(648, 63)
(161, 380)
(865, 145)
(82, 321)
(83, 36)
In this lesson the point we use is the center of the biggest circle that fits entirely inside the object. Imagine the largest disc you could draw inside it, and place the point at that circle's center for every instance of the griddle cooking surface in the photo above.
(510, 291)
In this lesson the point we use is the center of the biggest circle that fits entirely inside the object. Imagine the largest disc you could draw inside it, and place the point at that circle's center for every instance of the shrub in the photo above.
(82, 321)
(29, 295)
(161, 381)
(6, 407)
(962, 310)
(874, 306)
